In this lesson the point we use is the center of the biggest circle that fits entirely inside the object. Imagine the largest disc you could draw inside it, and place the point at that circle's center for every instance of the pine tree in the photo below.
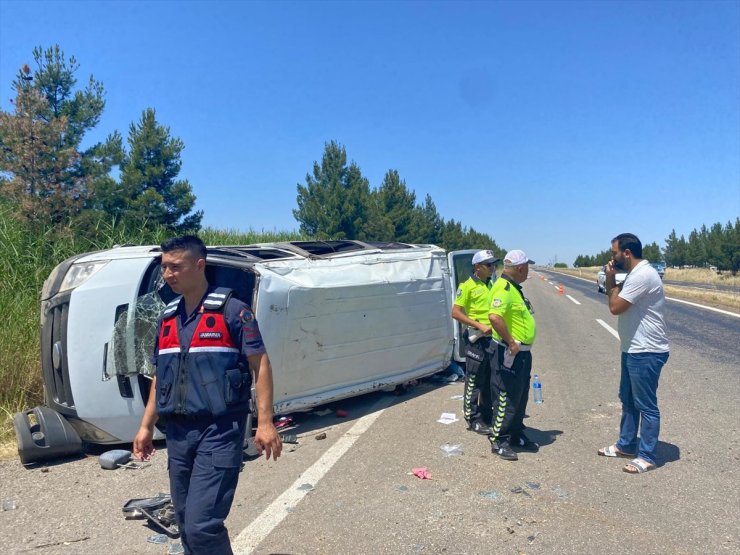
(651, 252)
(397, 204)
(427, 224)
(150, 194)
(44, 169)
(335, 202)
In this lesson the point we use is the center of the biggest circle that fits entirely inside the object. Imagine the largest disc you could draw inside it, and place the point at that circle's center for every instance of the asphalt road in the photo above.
(353, 492)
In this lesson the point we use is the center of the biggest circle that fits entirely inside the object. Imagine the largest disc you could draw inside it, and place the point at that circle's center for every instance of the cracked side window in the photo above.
(132, 343)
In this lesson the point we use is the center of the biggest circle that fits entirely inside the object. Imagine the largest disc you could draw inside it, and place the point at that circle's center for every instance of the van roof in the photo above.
(261, 251)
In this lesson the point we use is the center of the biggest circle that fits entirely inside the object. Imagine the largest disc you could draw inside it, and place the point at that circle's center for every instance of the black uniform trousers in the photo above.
(477, 394)
(204, 461)
(509, 392)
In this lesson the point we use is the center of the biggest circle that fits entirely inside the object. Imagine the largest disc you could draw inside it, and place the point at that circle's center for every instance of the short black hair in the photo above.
(631, 242)
(189, 243)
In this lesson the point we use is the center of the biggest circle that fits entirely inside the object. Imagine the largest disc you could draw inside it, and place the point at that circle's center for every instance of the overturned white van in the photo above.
(338, 318)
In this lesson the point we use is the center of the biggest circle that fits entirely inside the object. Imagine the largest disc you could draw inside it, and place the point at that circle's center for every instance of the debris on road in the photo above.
(451, 450)
(158, 539)
(289, 438)
(322, 435)
(422, 473)
(115, 458)
(519, 489)
(158, 511)
(448, 418)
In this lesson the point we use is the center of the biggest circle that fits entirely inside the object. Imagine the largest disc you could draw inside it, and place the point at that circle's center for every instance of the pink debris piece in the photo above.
(422, 473)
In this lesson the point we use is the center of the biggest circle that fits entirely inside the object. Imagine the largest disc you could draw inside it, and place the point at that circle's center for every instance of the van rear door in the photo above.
(461, 267)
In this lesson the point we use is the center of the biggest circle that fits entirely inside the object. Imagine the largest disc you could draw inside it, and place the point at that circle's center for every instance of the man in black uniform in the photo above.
(471, 309)
(514, 330)
(207, 343)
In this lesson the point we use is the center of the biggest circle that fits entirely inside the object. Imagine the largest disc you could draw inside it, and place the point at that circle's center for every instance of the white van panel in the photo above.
(335, 328)
(91, 318)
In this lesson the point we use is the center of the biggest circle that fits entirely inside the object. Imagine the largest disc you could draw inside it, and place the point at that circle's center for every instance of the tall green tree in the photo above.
(150, 193)
(43, 166)
(453, 235)
(38, 174)
(397, 205)
(714, 240)
(732, 247)
(696, 254)
(427, 224)
(652, 252)
(675, 250)
(335, 201)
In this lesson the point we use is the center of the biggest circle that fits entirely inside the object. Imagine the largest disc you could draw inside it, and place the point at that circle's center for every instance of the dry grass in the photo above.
(702, 275)
(718, 299)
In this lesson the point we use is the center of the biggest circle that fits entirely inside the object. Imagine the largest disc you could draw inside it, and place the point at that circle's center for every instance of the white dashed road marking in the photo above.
(608, 327)
(572, 299)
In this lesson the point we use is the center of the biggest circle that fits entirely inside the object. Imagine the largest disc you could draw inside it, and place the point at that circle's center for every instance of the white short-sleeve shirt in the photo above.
(642, 326)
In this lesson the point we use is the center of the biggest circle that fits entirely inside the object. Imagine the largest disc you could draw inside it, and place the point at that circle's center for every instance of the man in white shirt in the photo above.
(639, 303)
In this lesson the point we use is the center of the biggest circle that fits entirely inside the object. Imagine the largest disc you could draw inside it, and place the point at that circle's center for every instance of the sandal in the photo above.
(638, 466)
(612, 451)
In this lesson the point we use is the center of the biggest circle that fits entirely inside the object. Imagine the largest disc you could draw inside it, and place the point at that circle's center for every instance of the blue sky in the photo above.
(552, 126)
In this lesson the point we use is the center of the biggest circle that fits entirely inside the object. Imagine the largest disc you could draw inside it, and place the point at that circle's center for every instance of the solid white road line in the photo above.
(608, 327)
(728, 313)
(572, 299)
(249, 538)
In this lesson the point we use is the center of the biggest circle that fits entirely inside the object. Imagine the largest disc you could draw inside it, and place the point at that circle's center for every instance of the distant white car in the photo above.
(601, 279)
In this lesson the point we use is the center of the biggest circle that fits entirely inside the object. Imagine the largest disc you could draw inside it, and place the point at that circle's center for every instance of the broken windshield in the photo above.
(132, 342)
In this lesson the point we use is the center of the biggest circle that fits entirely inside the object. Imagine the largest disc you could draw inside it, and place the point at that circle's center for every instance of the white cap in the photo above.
(483, 257)
(516, 257)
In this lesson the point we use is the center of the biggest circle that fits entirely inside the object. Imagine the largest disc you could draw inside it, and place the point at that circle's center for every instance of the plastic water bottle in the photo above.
(537, 390)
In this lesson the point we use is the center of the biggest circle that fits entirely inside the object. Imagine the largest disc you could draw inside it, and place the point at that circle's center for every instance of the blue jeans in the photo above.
(638, 391)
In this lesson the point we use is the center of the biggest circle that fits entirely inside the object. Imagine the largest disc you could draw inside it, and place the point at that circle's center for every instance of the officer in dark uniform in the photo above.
(470, 308)
(207, 343)
(514, 331)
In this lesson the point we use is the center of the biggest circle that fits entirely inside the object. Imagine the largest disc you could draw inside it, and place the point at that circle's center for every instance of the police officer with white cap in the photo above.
(514, 330)
(471, 309)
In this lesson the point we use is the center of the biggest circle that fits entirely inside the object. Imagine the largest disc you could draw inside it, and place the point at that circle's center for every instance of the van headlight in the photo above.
(80, 273)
